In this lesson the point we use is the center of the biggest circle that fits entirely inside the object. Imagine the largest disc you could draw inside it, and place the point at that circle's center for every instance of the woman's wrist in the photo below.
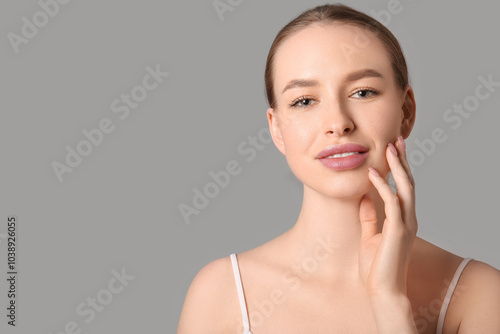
(393, 314)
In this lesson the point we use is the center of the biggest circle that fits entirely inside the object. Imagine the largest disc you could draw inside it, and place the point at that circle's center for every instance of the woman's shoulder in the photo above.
(476, 294)
(431, 258)
(211, 303)
(477, 298)
(432, 262)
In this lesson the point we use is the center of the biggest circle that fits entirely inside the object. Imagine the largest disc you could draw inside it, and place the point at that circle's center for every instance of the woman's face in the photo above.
(350, 96)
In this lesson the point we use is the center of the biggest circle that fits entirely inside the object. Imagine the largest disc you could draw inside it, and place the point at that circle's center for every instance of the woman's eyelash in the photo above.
(369, 90)
(295, 102)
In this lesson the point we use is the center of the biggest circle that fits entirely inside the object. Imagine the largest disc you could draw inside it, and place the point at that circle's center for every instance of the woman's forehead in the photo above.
(329, 51)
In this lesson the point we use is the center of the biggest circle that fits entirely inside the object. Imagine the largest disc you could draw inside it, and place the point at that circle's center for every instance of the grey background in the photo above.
(119, 208)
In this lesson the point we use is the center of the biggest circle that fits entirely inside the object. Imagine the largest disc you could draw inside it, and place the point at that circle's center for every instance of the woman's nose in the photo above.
(338, 121)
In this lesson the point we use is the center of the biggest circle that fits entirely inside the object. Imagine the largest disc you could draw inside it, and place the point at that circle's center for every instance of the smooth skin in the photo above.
(352, 263)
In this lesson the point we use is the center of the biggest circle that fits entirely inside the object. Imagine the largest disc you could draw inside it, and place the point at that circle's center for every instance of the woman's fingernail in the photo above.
(393, 149)
(373, 171)
(402, 143)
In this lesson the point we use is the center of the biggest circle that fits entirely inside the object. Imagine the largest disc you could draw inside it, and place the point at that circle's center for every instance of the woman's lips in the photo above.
(348, 162)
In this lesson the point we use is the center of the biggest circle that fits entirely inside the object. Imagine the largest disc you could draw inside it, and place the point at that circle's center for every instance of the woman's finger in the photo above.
(401, 146)
(391, 200)
(404, 187)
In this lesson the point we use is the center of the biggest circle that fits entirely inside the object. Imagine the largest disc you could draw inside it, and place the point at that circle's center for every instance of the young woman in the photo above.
(340, 109)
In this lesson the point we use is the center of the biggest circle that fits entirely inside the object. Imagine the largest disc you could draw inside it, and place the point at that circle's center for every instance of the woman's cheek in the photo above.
(384, 125)
(297, 134)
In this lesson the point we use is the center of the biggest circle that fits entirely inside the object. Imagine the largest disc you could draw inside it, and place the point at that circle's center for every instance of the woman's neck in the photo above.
(325, 239)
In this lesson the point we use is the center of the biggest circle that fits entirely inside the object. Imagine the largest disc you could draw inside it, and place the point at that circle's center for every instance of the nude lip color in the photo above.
(349, 162)
(343, 163)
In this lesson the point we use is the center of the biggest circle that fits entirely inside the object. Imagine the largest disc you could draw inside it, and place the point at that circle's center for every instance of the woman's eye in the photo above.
(364, 93)
(301, 103)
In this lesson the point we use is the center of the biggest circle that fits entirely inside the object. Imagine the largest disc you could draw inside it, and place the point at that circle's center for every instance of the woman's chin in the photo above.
(342, 190)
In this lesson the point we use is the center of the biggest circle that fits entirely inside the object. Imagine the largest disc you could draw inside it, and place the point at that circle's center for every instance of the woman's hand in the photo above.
(384, 257)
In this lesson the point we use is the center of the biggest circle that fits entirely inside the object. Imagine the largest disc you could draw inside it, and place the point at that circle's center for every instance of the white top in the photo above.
(449, 293)
(442, 313)
(243, 305)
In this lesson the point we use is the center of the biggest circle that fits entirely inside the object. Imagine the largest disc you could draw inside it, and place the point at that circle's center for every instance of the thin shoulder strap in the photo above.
(239, 287)
(449, 294)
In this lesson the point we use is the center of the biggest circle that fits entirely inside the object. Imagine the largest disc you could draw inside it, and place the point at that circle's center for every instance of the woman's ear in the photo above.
(408, 110)
(275, 130)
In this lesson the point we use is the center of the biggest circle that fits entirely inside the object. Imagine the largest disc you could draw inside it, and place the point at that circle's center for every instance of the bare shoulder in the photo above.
(479, 302)
(476, 298)
(210, 300)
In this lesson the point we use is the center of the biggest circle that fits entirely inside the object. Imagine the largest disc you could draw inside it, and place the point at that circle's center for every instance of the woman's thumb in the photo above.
(368, 218)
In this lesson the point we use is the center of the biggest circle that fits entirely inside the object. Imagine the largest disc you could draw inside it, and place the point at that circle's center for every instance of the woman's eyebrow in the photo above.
(367, 72)
(353, 76)
(299, 83)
